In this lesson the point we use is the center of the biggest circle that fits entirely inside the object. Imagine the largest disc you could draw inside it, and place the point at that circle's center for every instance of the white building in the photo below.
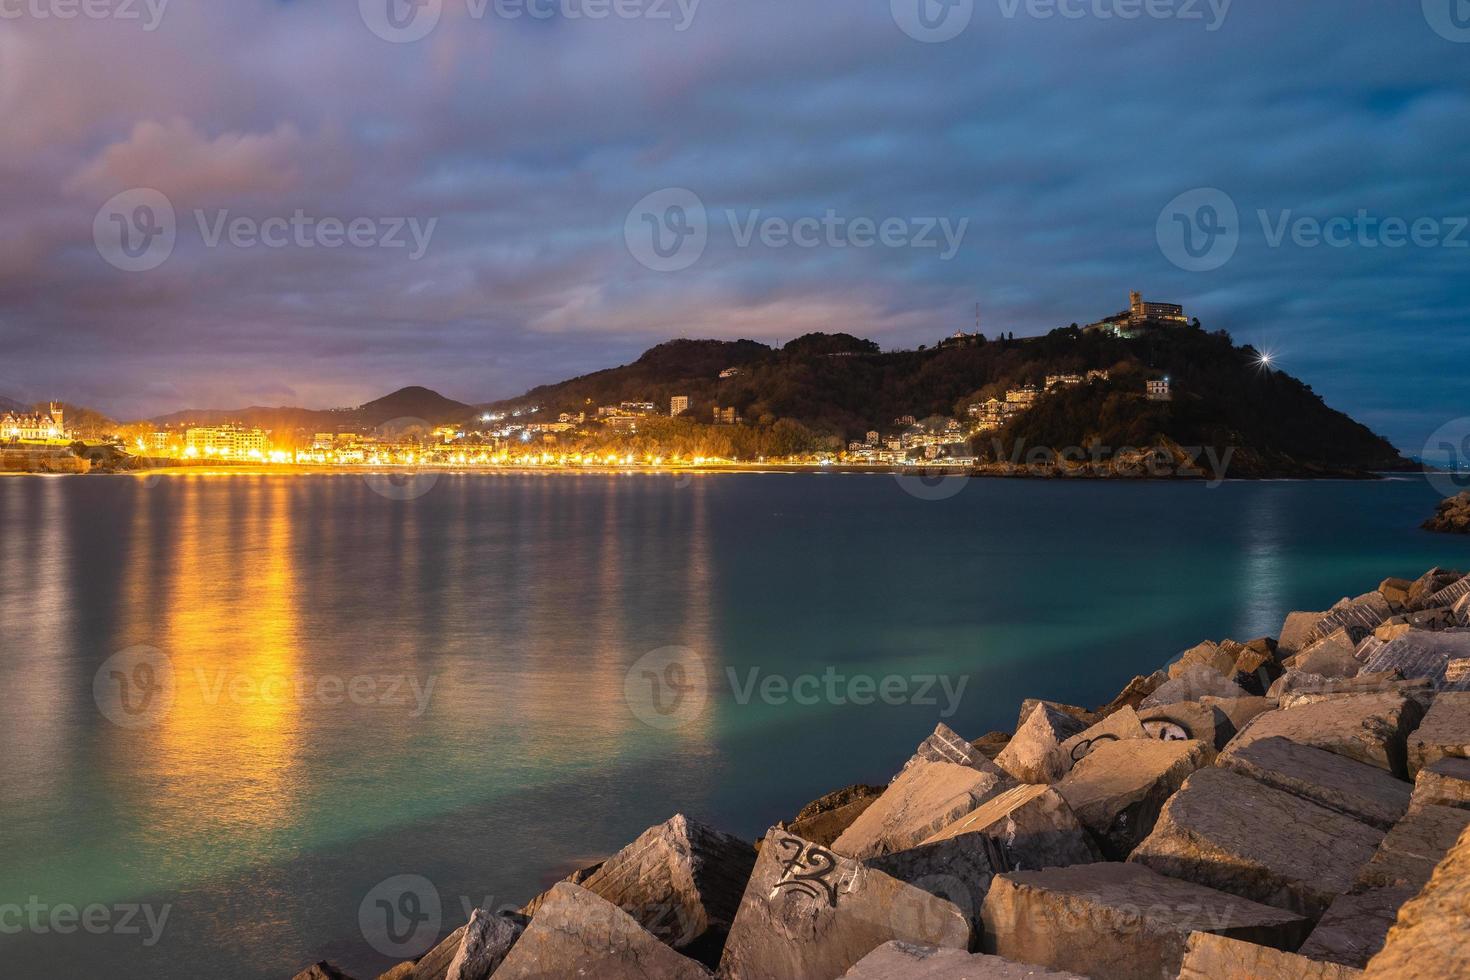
(37, 427)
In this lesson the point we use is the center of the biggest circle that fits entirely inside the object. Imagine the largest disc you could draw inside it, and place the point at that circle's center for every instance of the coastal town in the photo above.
(630, 433)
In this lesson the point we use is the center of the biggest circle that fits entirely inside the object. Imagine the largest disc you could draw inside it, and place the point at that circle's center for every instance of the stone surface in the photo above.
(1396, 591)
(681, 881)
(1428, 939)
(1371, 728)
(577, 934)
(1444, 733)
(1257, 666)
(1034, 754)
(1191, 685)
(923, 799)
(1240, 710)
(486, 941)
(1028, 706)
(1450, 594)
(1354, 928)
(990, 744)
(1358, 617)
(1227, 831)
(1119, 921)
(946, 745)
(1133, 694)
(822, 821)
(1331, 656)
(1209, 655)
(1026, 828)
(1295, 630)
(322, 971)
(808, 912)
(1185, 720)
(1418, 842)
(1421, 654)
(1210, 957)
(1354, 788)
(1118, 726)
(1444, 783)
(1429, 584)
(1117, 790)
(905, 961)
(403, 971)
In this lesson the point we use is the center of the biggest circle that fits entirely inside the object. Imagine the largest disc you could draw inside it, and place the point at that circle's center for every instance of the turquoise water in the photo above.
(495, 738)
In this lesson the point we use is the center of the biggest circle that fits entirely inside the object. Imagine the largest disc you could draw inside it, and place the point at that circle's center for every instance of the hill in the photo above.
(839, 387)
(406, 403)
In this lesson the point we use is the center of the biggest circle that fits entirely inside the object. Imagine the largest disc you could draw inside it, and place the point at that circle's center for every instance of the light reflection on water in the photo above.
(517, 606)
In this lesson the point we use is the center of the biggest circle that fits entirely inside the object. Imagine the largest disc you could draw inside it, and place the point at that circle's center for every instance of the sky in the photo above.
(316, 202)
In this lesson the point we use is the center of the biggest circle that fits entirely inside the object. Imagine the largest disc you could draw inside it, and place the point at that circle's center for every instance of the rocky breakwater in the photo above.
(1292, 807)
(1452, 516)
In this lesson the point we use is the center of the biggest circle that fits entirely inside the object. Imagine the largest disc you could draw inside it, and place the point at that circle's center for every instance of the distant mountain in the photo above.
(11, 405)
(841, 386)
(407, 403)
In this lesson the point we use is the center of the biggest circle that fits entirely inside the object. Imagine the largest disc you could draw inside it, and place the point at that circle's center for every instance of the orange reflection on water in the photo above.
(230, 744)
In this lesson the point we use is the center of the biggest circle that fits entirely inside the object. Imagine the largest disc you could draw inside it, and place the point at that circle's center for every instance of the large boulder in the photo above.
(1359, 617)
(1357, 789)
(1210, 655)
(1428, 940)
(905, 961)
(1082, 715)
(1117, 790)
(1407, 856)
(1421, 654)
(1354, 928)
(1240, 711)
(1444, 783)
(1371, 728)
(473, 951)
(1210, 957)
(1396, 592)
(1026, 828)
(1227, 831)
(322, 971)
(1192, 684)
(1332, 656)
(1185, 720)
(1121, 724)
(1133, 694)
(808, 912)
(946, 745)
(681, 881)
(924, 798)
(1120, 921)
(1444, 733)
(1438, 587)
(822, 821)
(576, 933)
(1034, 754)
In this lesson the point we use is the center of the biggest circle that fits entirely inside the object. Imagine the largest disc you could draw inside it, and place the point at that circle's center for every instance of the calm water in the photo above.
(258, 805)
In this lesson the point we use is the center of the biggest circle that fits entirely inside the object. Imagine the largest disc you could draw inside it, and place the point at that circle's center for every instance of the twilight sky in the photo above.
(517, 138)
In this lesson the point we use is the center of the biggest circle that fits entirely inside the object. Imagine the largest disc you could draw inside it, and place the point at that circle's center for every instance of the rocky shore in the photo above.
(1290, 807)
(1452, 516)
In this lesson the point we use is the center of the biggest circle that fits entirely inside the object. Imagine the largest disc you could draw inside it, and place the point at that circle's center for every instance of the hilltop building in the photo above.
(1141, 314)
(1160, 390)
(678, 405)
(49, 426)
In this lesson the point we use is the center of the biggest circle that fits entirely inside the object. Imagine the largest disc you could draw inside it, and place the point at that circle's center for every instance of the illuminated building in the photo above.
(1142, 314)
(1160, 390)
(226, 442)
(37, 427)
(678, 405)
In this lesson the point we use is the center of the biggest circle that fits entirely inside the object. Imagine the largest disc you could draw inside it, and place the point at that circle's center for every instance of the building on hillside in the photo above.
(1141, 314)
(678, 405)
(1063, 381)
(727, 416)
(226, 442)
(49, 426)
(729, 373)
(1098, 376)
(1160, 390)
(1023, 397)
(961, 339)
